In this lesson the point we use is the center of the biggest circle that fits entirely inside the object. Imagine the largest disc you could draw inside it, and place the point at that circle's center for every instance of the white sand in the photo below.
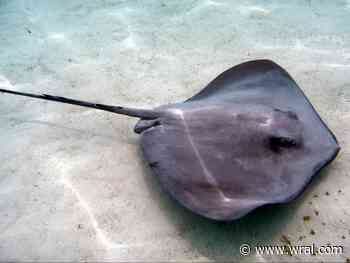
(73, 184)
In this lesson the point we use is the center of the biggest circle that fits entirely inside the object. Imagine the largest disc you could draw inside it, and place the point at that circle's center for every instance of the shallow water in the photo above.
(73, 184)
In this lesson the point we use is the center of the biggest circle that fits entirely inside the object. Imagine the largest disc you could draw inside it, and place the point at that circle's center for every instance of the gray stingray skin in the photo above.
(250, 138)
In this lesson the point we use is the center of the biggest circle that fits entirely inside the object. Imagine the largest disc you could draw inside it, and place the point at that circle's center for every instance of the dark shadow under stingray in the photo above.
(248, 139)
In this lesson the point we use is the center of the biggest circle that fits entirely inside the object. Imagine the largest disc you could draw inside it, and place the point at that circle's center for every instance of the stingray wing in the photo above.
(257, 79)
(265, 82)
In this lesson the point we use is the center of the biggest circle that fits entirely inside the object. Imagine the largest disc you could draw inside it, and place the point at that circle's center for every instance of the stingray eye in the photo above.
(277, 143)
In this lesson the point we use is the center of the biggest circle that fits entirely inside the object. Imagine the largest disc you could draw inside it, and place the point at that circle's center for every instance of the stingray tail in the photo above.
(140, 113)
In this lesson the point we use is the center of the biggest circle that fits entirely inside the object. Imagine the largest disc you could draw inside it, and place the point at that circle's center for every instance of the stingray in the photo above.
(248, 139)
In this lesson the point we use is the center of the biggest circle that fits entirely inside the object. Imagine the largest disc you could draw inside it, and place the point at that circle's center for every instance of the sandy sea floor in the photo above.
(73, 183)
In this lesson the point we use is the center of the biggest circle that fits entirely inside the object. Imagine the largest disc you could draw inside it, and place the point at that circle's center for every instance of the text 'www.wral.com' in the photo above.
(312, 250)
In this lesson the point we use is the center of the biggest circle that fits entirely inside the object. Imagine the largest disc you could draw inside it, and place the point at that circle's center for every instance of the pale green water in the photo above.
(73, 184)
